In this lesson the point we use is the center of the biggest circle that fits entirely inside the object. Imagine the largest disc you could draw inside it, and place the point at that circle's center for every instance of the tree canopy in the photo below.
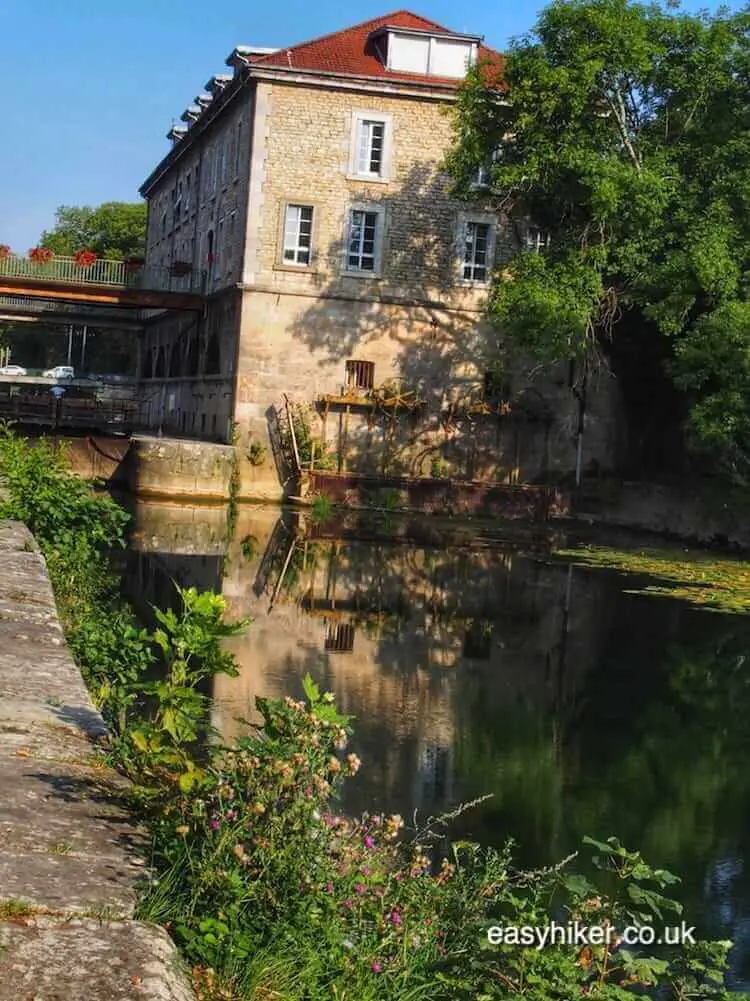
(115, 230)
(623, 132)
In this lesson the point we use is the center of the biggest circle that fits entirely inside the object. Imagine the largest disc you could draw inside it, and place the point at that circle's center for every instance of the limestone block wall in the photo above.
(299, 345)
(303, 150)
(67, 927)
(415, 319)
(165, 467)
(198, 209)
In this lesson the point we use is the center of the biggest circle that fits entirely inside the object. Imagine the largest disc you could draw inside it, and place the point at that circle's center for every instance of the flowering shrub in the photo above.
(273, 893)
(84, 258)
(41, 255)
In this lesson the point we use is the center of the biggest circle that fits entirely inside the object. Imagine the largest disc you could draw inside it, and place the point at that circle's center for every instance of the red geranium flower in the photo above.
(41, 255)
(84, 258)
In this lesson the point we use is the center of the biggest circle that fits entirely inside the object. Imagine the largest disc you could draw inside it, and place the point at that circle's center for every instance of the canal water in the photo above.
(476, 662)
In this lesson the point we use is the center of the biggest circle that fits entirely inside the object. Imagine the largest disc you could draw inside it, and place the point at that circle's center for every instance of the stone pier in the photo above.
(69, 850)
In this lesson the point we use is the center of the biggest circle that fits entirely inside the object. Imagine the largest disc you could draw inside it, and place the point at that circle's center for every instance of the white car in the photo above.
(12, 370)
(59, 372)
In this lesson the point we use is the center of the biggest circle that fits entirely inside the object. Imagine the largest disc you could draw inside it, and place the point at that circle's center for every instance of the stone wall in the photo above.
(168, 467)
(416, 321)
(292, 329)
(70, 853)
(199, 207)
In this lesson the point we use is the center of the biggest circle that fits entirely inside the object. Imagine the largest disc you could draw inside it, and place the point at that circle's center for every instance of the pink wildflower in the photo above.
(359, 888)
(369, 841)
(376, 967)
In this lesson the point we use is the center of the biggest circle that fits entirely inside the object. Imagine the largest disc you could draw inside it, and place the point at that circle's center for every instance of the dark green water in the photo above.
(476, 663)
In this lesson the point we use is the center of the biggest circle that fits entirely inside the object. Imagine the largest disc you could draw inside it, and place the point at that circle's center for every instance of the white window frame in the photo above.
(379, 212)
(433, 41)
(294, 262)
(483, 176)
(465, 220)
(358, 120)
(535, 239)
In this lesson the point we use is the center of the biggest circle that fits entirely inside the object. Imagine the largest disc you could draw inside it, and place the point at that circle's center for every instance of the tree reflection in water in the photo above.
(473, 663)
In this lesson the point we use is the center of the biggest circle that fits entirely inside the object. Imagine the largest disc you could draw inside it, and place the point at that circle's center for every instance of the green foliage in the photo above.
(438, 468)
(322, 509)
(312, 451)
(58, 508)
(720, 585)
(114, 230)
(266, 887)
(256, 452)
(264, 882)
(164, 741)
(249, 547)
(76, 530)
(622, 133)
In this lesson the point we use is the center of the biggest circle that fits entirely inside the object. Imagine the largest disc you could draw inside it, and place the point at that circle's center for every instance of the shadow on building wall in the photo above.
(488, 413)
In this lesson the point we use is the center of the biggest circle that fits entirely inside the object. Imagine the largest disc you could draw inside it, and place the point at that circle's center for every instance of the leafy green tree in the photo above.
(115, 230)
(622, 131)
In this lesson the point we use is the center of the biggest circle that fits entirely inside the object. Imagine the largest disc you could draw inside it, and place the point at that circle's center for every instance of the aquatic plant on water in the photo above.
(695, 576)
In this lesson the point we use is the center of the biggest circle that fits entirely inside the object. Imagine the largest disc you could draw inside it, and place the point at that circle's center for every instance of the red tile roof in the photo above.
(350, 52)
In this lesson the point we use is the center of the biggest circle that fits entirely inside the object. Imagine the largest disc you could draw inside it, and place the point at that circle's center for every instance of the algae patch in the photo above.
(719, 585)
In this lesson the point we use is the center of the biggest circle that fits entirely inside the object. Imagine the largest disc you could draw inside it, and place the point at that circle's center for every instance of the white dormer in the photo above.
(408, 50)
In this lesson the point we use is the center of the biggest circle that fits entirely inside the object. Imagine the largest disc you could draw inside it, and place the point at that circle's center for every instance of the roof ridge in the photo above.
(382, 18)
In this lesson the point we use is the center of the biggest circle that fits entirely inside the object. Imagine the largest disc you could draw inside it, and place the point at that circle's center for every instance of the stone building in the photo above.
(340, 272)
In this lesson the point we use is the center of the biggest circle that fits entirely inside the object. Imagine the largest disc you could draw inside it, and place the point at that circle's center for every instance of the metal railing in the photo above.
(123, 274)
(84, 414)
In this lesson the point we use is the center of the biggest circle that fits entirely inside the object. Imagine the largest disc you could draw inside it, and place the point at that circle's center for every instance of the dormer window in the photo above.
(405, 50)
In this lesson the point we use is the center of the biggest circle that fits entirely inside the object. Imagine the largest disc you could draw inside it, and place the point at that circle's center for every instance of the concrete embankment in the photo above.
(69, 850)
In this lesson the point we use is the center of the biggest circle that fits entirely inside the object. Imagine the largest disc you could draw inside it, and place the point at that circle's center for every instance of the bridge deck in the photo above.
(101, 283)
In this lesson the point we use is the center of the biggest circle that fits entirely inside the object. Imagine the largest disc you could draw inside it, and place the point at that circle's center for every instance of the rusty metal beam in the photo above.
(133, 298)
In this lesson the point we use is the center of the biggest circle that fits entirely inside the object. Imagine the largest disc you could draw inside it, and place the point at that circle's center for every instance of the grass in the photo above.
(699, 578)
(62, 848)
(15, 908)
(322, 509)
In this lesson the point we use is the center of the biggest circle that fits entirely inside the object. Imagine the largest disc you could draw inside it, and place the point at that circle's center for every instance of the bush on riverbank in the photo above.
(269, 891)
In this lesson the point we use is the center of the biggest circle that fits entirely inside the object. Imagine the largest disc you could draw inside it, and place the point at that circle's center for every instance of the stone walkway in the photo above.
(69, 864)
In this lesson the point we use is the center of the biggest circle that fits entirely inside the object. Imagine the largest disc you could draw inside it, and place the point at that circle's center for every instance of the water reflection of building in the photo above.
(400, 634)
(472, 668)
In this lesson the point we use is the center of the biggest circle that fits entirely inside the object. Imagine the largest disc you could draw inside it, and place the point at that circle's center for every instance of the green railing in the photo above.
(122, 274)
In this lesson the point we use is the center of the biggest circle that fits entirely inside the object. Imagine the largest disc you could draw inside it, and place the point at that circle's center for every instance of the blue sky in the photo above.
(91, 87)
